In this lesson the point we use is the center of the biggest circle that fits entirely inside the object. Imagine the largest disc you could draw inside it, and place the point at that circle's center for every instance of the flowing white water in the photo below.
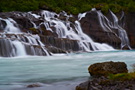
(109, 26)
(81, 15)
(20, 50)
(122, 33)
(62, 25)
(64, 30)
(11, 27)
(95, 46)
(63, 72)
(13, 30)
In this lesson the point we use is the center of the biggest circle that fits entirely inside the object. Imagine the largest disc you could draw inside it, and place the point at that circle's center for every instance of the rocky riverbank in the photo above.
(103, 83)
(109, 78)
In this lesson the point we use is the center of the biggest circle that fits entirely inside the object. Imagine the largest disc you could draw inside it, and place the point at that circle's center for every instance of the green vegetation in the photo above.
(70, 6)
(122, 76)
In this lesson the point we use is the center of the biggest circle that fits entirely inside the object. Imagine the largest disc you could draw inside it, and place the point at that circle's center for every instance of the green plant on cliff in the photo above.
(70, 6)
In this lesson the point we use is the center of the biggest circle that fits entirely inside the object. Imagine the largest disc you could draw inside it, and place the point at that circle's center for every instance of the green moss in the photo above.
(113, 78)
(122, 76)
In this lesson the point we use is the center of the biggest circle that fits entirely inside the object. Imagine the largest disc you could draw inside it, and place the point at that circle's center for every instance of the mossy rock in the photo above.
(106, 68)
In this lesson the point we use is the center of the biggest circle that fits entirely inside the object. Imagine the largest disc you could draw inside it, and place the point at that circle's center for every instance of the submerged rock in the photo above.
(34, 85)
(105, 68)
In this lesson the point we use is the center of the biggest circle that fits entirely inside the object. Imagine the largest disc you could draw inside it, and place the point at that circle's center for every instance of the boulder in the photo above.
(105, 68)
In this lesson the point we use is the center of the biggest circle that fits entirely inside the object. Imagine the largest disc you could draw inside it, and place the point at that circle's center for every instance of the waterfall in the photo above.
(11, 27)
(48, 29)
(81, 15)
(122, 33)
(108, 26)
(64, 30)
(20, 50)
(16, 42)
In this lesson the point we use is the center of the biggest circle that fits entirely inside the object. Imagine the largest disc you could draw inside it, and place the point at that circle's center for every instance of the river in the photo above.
(60, 71)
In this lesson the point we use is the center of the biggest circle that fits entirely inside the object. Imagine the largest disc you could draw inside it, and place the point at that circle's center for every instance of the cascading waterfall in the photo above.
(108, 26)
(60, 24)
(19, 40)
(11, 26)
(20, 51)
(122, 33)
(16, 46)
(64, 30)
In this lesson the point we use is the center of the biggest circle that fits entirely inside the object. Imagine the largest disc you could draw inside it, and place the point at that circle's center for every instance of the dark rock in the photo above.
(2, 25)
(43, 30)
(55, 49)
(105, 68)
(130, 27)
(34, 85)
(24, 23)
(62, 43)
(125, 48)
(92, 27)
(103, 83)
(83, 86)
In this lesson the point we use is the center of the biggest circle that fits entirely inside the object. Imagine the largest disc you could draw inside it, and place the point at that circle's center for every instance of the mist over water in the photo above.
(59, 71)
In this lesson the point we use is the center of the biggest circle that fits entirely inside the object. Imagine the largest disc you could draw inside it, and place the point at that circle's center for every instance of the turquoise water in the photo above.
(63, 72)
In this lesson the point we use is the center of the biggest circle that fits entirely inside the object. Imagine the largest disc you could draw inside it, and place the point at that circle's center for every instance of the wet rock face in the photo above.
(60, 44)
(130, 27)
(103, 69)
(2, 25)
(92, 27)
(24, 23)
